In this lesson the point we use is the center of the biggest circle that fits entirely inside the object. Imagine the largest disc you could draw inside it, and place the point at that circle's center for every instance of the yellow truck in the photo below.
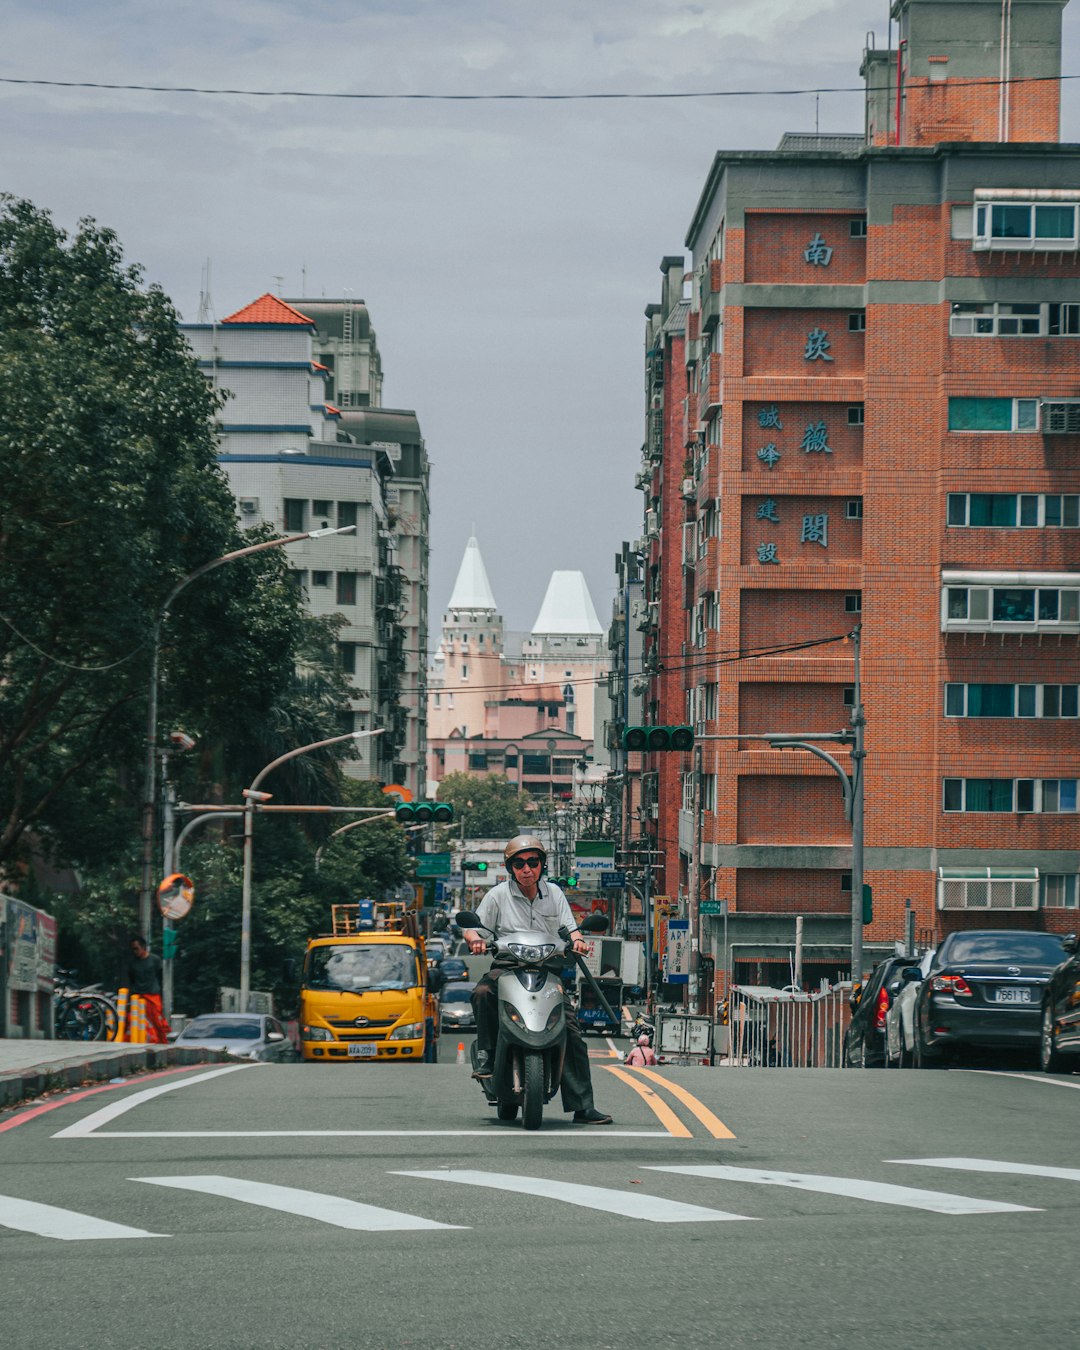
(364, 992)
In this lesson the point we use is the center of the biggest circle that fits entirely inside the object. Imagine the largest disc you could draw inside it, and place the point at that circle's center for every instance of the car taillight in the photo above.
(881, 1009)
(951, 984)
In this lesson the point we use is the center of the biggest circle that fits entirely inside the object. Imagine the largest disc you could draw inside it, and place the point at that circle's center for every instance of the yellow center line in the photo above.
(713, 1124)
(659, 1108)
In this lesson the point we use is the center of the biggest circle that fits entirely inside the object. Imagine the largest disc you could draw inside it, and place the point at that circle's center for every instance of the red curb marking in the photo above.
(92, 1092)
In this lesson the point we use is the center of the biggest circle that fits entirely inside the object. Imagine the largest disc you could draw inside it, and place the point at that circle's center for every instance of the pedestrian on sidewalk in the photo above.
(641, 1055)
(142, 976)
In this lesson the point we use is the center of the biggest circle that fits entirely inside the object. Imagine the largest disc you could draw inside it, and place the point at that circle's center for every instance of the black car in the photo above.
(864, 1040)
(452, 968)
(1059, 1041)
(984, 988)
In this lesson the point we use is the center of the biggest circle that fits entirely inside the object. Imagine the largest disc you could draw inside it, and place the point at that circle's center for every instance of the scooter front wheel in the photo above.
(507, 1110)
(532, 1111)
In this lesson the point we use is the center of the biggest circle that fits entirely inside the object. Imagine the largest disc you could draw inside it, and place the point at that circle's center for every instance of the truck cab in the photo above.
(364, 993)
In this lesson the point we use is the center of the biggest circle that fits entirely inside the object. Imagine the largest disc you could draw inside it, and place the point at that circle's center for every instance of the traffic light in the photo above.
(658, 738)
(424, 813)
(867, 904)
(474, 866)
(170, 944)
(566, 883)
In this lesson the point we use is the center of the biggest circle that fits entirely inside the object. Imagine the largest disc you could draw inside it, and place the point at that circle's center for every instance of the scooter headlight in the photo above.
(529, 953)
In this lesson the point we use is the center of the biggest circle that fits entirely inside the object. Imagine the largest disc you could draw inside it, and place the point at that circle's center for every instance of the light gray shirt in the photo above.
(505, 909)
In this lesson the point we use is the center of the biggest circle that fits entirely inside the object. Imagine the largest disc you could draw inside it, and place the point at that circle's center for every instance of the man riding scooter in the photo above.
(527, 901)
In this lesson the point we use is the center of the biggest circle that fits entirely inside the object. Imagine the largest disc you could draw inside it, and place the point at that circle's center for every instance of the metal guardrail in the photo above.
(775, 1028)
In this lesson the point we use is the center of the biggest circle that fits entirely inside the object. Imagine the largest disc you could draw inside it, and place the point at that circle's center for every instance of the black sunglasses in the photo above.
(518, 863)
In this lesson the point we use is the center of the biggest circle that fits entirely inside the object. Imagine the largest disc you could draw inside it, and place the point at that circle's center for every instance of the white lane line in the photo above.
(653, 1208)
(1031, 1077)
(490, 1133)
(988, 1165)
(90, 1124)
(939, 1202)
(332, 1209)
(48, 1221)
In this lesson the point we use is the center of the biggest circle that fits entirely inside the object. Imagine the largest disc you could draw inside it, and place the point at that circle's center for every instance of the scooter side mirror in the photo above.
(595, 923)
(465, 918)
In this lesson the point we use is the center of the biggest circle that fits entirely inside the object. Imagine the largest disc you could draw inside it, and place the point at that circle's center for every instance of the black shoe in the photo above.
(591, 1117)
(482, 1067)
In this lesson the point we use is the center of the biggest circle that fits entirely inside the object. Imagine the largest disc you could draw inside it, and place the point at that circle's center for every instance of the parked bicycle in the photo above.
(87, 1014)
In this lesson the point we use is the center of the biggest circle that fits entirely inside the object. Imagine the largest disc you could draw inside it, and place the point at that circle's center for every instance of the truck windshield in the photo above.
(355, 968)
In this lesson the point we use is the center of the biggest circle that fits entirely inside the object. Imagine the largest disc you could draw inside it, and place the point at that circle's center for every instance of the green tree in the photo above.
(489, 808)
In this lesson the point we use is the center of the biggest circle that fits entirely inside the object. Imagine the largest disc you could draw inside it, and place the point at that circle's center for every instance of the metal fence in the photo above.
(775, 1028)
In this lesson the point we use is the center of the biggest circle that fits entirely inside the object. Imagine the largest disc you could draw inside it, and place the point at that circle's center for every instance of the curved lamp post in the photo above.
(150, 778)
(252, 796)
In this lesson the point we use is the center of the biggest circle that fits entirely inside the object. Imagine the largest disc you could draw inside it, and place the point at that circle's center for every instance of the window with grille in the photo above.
(988, 888)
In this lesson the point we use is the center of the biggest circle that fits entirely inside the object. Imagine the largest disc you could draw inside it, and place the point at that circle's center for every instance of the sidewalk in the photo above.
(29, 1068)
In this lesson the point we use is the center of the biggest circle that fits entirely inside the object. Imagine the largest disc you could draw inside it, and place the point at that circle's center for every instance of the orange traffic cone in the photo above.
(461, 1052)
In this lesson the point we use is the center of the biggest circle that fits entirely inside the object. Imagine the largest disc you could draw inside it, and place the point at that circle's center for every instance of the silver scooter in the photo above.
(531, 1041)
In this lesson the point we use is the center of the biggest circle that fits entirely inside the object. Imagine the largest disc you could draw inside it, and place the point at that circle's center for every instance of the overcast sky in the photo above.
(506, 250)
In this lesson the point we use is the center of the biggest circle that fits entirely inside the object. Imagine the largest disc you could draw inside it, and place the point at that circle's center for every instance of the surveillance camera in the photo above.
(181, 740)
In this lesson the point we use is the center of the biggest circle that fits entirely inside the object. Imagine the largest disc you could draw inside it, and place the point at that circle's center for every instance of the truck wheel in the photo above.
(532, 1111)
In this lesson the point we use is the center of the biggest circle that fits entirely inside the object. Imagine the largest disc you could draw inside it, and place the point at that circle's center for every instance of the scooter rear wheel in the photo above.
(532, 1111)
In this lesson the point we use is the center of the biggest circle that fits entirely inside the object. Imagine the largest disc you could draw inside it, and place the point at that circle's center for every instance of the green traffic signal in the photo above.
(658, 738)
(424, 813)
(474, 867)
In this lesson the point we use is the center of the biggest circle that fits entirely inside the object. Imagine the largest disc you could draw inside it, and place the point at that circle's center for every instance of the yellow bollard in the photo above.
(122, 1000)
(138, 1020)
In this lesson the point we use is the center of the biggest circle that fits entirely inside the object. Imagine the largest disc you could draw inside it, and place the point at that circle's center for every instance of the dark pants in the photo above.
(577, 1092)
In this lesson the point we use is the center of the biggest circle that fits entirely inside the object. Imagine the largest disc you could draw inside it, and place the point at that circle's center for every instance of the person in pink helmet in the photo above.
(641, 1055)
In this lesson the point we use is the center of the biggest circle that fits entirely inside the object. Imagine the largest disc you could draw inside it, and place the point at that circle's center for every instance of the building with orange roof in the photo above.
(305, 445)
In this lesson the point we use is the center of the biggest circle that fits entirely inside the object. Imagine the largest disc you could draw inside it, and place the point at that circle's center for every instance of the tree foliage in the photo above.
(491, 807)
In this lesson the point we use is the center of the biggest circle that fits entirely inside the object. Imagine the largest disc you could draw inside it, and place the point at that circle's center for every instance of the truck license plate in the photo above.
(363, 1051)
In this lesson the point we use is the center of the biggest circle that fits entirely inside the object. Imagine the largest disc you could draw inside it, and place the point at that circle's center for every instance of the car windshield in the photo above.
(456, 995)
(356, 968)
(1041, 948)
(220, 1029)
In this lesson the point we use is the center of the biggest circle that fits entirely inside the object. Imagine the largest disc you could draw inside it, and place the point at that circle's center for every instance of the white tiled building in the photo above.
(292, 462)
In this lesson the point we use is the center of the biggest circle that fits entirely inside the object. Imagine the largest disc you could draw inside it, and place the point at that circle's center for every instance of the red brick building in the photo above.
(880, 428)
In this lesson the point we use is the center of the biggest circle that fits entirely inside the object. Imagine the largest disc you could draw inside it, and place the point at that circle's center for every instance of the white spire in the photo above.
(567, 607)
(472, 590)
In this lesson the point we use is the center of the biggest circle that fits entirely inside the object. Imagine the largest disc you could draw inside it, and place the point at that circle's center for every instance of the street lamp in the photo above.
(364, 820)
(150, 777)
(252, 796)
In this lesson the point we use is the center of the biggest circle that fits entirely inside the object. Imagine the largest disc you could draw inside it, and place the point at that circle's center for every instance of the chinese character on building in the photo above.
(815, 530)
(766, 553)
(817, 345)
(816, 439)
(769, 455)
(770, 417)
(819, 254)
(767, 510)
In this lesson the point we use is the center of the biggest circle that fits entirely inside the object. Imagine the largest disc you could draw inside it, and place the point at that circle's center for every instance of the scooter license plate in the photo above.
(363, 1051)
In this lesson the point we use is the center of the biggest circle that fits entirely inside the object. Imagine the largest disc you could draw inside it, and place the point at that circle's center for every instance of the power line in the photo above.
(588, 96)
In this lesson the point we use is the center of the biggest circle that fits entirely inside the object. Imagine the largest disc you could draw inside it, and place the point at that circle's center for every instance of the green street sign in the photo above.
(713, 907)
(433, 865)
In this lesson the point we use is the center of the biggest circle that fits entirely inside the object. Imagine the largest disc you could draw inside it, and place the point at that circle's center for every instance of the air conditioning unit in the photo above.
(654, 811)
(689, 489)
(652, 523)
(1061, 418)
(249, 505)
(393, 496)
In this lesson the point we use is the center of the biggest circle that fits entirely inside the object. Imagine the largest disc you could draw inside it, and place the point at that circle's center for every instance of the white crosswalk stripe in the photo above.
(938, 1202)
(332, 1209)
(655, 1209)
(28, 1216)
(988, 1165)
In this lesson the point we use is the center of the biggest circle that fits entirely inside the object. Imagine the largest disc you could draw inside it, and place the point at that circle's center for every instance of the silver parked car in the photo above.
(900, 1019)
(249, 1035)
